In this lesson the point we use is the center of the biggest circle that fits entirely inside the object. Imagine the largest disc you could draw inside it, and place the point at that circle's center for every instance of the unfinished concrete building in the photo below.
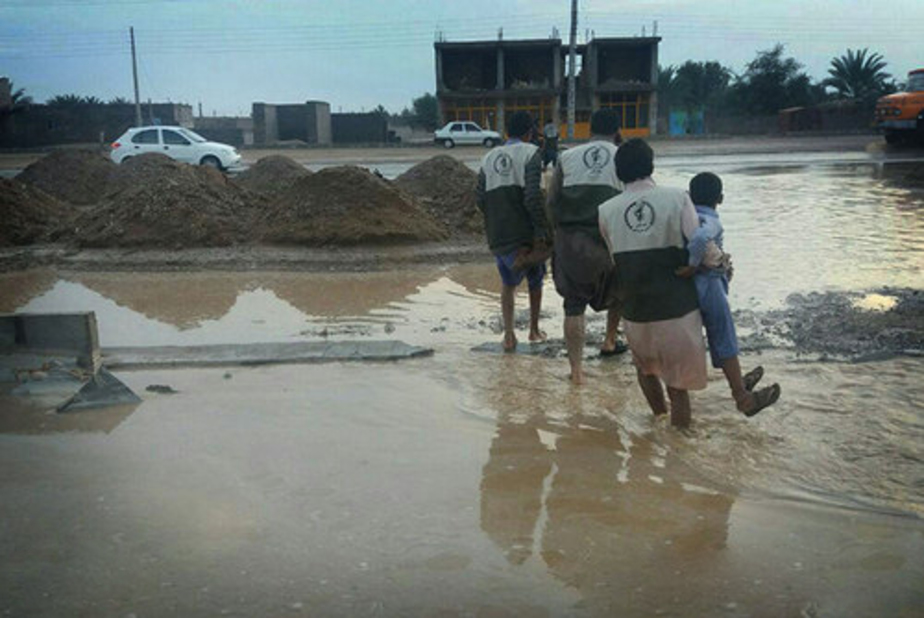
(307, 122)
(486, 81)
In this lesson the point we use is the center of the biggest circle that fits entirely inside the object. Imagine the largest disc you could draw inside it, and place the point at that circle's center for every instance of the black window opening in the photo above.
(148, 136)
(175, 139)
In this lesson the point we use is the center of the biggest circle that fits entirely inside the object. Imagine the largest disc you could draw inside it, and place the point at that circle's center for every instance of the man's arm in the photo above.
(532, 195)
(555, 187)
(480, 190)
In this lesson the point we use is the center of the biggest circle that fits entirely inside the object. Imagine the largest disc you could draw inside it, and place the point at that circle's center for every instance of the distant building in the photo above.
(486, 81)
(307, 122)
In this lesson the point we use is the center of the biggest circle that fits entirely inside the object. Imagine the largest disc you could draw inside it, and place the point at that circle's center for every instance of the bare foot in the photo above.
(537, 336)
(577, 378)
(510, 343)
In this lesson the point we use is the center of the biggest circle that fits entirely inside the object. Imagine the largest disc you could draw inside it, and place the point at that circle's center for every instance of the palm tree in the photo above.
(857, 75)
(65, 100)
(18, 100)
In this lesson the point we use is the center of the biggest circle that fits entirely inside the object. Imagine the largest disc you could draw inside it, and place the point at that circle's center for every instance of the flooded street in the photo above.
(474, 484)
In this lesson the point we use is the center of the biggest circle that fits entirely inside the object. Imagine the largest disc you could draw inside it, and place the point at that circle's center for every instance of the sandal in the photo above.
(764, 398)
(752, 377)
(619, 348)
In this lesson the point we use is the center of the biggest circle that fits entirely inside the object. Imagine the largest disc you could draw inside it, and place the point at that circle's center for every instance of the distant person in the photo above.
(582, 268)
(509, 195)
(549, 144)
(646, 228)
(712, 293)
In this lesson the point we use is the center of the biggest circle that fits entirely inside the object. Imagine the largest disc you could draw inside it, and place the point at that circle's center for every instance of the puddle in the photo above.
(876, 302)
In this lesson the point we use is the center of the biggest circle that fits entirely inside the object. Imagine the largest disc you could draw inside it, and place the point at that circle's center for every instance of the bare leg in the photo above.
(612, 325)
(651, 387)
(535, 306)
(508, 293)
(732, 370)
(574, 342)
(680, 407)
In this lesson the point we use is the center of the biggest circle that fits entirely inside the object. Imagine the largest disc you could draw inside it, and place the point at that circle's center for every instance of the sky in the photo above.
(227, 54)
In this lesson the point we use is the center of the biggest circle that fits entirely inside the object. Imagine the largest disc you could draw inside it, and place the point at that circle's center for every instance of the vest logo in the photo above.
(596, 158)
(503, 164)
(639, 216)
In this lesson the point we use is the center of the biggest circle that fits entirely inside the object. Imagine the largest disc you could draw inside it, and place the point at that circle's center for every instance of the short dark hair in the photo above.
(604, 122)
(634, 160)
(521, 123)
(706, 189)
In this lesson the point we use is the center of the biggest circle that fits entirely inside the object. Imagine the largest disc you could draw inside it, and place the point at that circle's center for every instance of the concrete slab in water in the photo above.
(551, 347)
(103, 390)
(261, 353)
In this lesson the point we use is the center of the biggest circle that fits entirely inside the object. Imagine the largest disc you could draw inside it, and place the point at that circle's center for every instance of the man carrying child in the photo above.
(712, 293)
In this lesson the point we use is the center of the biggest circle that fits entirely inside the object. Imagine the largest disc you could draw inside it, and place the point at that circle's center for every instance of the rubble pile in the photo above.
(79, 177)
(28, 214)
(446, 188)
(155, 201)
(272, 174)
(347, 205)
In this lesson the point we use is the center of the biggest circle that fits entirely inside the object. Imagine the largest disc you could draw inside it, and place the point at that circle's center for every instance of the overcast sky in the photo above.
(357, 54)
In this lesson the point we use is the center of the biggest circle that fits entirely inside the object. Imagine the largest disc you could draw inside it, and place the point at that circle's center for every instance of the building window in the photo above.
(631, 107)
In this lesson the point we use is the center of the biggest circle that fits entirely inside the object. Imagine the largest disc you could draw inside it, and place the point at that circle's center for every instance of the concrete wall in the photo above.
(71, 334)
(359, 128)
(225, 129)
(319, 123)
(44, 125)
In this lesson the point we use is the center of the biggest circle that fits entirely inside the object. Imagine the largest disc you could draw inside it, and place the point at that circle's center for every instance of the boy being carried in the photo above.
(712, 292)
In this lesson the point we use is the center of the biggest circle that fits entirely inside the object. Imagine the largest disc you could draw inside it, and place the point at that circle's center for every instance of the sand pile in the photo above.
(347, 205)
(446, 188)
(155, 201)
(28, 214)
(79, 177)
(272, 175)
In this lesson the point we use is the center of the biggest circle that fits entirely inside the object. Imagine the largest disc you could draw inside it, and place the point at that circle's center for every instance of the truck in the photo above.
(900, 116)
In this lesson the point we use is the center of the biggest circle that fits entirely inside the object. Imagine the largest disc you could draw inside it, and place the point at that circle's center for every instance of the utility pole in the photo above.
(572, 59)
(131, 31)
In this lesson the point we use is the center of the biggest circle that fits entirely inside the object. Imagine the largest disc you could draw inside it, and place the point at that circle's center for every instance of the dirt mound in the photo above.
(28, 214)
(446, 188)
(79, 177)
(155, 201)
(273, 174)
(347, 205)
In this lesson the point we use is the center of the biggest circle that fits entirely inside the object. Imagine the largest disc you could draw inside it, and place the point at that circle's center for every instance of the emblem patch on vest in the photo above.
(596, 158)
(503, 164)
(639, 216)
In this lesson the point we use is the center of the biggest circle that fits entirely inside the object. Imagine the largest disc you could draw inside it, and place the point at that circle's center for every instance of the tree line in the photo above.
(771, 82)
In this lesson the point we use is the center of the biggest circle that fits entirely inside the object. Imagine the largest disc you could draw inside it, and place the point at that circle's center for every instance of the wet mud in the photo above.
(855, 326)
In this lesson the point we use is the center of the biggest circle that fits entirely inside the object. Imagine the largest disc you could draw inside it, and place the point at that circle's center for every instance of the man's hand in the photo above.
(685, 271)
(729, 266)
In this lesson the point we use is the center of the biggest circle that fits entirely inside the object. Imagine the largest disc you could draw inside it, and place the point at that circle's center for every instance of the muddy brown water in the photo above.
(482, 485)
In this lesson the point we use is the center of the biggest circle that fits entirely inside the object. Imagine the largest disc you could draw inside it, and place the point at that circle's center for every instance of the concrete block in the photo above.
(53, 334)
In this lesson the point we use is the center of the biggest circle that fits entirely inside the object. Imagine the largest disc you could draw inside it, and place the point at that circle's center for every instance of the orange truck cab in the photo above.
(900, 116)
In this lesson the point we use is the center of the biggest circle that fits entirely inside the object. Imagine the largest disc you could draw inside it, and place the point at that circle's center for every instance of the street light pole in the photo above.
(572, 53)
(131, 31)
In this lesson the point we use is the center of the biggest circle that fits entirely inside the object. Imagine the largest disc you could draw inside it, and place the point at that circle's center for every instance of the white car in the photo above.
(465, 132)
(177, 143)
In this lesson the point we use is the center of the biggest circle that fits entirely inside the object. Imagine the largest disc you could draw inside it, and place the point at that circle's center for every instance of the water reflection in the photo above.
(36, 415)
(185, 301)
(601, 508)
(18, 288)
